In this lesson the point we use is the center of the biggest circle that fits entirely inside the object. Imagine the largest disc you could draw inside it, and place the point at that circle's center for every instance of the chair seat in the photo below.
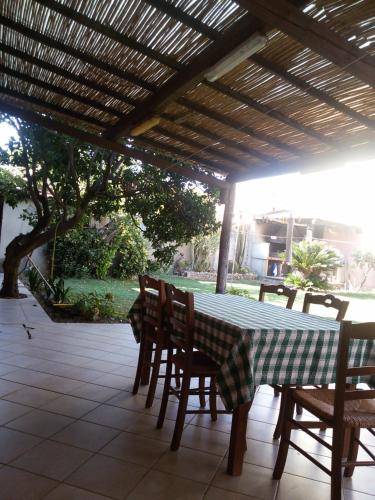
(319, 402)
(202, 364)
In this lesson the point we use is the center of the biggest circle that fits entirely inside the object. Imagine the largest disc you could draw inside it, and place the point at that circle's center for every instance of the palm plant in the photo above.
(312, 264)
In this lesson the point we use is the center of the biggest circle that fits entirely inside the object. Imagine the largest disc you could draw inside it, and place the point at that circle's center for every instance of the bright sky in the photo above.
(341, 195)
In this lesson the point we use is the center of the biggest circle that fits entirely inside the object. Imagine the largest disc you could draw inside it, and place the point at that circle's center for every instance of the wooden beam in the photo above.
(82, 56)
(188, 77)
(177, 152)
(240, 147)
(312, 163)
(52, 107)
(112, 145)
(226, 227)
(58, 70)
(298, 82)
(230, 122)
(185, 18)
(201, 147)
(58, 90)
(317, 36)
(273, 113)
(109, 32)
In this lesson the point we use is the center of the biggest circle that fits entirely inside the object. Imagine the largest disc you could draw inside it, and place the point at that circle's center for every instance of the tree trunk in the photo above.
(10, 283)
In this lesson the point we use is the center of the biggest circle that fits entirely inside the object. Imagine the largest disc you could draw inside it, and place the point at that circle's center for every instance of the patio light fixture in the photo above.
(145, 126)
(246, 49)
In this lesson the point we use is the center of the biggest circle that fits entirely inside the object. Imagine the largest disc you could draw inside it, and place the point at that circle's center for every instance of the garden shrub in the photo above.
(93, 306)
(240, 292)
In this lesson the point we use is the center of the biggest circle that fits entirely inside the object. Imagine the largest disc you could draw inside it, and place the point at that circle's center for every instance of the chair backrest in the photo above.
(153, 305)
(343, 391)
(279, 290)
(180, 308)
(327, 301)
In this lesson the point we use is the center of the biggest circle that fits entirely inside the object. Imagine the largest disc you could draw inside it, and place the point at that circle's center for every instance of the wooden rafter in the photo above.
(273, 113)
(185, 18)
(238, 126)
(317, 36)
(242, 148)
(58, 90)
(298, 82)
(82, 56)
(188, 77)
(51, 107)
(112, 145)
(197, 145)
(58, 70)
(127, 41)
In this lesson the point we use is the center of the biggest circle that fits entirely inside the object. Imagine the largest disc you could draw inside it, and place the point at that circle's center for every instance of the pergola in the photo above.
(135, 76)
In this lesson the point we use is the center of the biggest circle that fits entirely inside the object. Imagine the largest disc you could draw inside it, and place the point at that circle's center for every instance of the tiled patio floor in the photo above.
(71, 429)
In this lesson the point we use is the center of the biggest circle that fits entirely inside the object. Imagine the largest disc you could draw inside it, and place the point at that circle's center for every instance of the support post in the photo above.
(222, 268)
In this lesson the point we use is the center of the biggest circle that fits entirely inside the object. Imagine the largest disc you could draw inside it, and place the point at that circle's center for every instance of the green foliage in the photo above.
(93, 306)
(240, 249)
(365, 261)
(204, 246)
(240, 292)
(59, 290)
(131, 253)
(12, 186)
(298, 281)
(35, 281)
(314, 262)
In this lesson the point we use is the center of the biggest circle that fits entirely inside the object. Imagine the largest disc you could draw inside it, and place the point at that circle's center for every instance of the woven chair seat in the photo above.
(319, 402)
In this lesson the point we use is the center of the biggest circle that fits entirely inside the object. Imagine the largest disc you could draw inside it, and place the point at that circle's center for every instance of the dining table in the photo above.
(257, 343)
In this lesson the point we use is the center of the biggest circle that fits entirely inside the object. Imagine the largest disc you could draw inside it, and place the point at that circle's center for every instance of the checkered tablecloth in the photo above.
(257, 343)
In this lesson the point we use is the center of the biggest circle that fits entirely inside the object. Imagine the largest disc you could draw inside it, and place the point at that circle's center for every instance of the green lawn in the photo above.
(361, 308)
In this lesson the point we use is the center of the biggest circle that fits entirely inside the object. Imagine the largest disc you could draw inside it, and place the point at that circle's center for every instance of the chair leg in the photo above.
(353, 450)
(276, 392)
(336, 467)
(280, 420)
(167, 384)
(213, 409)
(154, 377)
(285, 436)
(202, 399)
(180, 421)
(140, 365)
(299, 407)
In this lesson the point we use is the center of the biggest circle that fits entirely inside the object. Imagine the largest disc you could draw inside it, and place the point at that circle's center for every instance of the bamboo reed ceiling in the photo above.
(105, 67)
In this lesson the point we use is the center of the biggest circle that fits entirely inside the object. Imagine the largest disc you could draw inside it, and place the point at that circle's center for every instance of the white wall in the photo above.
(12, 226)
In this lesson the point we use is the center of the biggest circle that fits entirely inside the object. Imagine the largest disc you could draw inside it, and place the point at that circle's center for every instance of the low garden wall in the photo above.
(211, 276)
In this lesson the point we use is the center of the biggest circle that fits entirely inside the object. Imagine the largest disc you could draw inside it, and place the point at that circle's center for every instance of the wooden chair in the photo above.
(192, 363)
(279, 290)
(328, 301)
(286, 292)
(343, 409)
(153, 337)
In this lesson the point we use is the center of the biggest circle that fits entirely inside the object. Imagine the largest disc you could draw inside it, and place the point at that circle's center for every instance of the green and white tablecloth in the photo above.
(257, 343)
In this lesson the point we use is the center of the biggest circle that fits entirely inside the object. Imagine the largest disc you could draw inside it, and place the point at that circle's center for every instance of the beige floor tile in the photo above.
(160, 486)
(9, 411)
(214, 493)
(222, 424)
(136, 449)
(31, 396)
(203, 439)
(21, 485)
(51, 459)
(94, 392)
(5, 368)
(363, 480)
(14, 443)
(86, 435)
(145, 425)
(107, 476)
(114, 381)
(260, 453)
(254, 481)
(189, 463)
(296, 488)
(261, 431)
(67, 492)
(112, 416)
(7, 387)
(40, 423)
(70, 406)
(356, 495)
